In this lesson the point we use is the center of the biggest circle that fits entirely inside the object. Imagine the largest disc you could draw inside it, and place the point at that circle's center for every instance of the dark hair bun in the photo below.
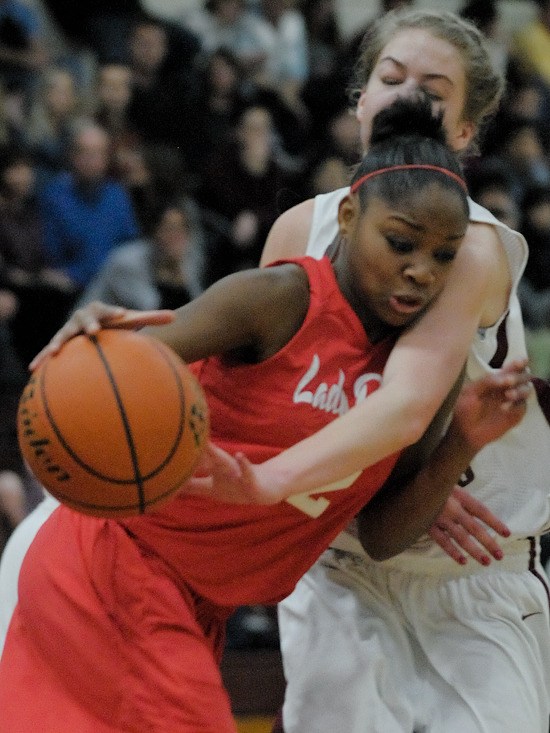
(408, 117)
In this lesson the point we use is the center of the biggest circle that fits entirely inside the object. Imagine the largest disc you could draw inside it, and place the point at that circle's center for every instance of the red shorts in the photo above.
(101, 643)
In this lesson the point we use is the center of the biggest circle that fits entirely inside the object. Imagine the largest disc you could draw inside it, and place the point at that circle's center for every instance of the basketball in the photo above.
(113, 424)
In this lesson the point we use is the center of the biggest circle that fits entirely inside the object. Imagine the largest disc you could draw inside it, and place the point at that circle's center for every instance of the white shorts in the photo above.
(380, 648)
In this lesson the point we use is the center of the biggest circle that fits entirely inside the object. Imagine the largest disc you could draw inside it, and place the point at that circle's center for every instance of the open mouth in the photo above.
(406, 304)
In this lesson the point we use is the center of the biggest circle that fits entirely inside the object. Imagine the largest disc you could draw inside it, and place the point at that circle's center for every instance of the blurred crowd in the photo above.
(142, 158)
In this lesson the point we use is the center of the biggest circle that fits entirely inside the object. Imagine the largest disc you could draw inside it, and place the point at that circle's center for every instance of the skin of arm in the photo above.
(255, 309)
(457, 527)
(289, 234)
(397, 414)
(414, 494)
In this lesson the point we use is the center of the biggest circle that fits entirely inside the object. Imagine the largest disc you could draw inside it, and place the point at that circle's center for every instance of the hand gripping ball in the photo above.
(113, 424)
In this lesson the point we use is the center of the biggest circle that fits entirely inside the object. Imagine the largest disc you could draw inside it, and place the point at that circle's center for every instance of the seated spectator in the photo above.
(246, 191)
(286, 67)
(217, 97)
(485, 14)
(324, 92)
(85, 212)
(158, 106)
(327, 175)
(13, 376)
(152, 174)
(338, 141)
(164, 270)
(518, 144)
(490, 186)
(53, 108)
(21, 236)
(528, 97)
(229, 24)
(43, 293)
(113, 91)
(219, 94)
(22, 49)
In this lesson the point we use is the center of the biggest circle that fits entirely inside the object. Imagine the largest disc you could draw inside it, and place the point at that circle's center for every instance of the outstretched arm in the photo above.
(413, 496)
(403, 511)
(419, 374)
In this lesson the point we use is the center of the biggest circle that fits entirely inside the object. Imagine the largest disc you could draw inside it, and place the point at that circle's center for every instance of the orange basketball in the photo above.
(113, 424)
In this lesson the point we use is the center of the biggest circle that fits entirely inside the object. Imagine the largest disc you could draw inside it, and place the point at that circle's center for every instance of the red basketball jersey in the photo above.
(243, 554)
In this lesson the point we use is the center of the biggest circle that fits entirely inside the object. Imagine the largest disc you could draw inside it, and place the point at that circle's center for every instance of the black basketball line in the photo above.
(68, 499)
(126, 424)
(90, 469)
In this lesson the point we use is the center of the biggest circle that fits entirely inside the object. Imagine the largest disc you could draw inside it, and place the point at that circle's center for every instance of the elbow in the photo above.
(379, 542)
(415, 422)
(380, 550)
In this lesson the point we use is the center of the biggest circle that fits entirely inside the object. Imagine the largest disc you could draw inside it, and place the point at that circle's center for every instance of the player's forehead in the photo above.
(422, 52)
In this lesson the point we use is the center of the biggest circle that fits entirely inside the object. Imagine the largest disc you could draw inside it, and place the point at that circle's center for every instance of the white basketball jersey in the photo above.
(511, 476)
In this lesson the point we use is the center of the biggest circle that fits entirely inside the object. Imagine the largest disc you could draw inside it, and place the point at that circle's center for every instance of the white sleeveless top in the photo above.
(512, 475)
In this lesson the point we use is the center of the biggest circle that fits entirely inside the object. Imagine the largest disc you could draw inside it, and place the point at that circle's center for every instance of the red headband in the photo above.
(419, 166)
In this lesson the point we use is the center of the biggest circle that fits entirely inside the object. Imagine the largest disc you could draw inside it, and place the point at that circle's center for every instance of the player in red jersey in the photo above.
(120, 623)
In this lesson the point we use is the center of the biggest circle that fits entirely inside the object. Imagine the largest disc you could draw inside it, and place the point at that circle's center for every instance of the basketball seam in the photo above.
(125, 424)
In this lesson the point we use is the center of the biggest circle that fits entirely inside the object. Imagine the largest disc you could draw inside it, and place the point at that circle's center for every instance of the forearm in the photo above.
(403, 510)
(396, 517)
(385, 423)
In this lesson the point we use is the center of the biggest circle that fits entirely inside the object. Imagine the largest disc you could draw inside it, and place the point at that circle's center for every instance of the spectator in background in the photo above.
(528, 97)
(229, 24)
(163, 270)
(532, 43)
(287, 66)
(21, 237)
(152, 174)
(324, 92)
(40, 290)
(113, 91)
(218, 96)
(486, 16)
(219, 93)
(85, 213)
(54, 107)
(13, 500)
(100, 26)
(244, 191)
(339, 141)
(22, 50)
(517, 144)
(327, 175)
(158, 107)
(490, 185)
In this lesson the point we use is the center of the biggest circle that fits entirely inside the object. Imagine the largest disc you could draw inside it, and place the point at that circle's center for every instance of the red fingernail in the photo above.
(485, 560)
(498, 555)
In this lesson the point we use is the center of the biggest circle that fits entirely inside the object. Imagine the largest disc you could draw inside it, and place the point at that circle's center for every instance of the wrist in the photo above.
(462, 441)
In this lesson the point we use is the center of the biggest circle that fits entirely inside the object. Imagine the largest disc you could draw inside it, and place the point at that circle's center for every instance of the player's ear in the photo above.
(462, 135)
(348, 211)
